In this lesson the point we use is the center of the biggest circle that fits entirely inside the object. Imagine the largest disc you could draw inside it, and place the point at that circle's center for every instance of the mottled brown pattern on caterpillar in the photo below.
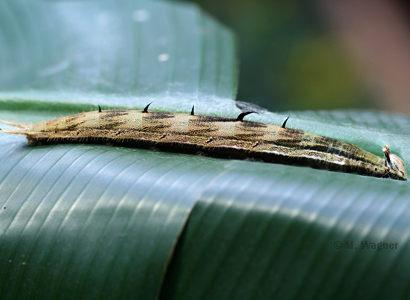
(222, 137)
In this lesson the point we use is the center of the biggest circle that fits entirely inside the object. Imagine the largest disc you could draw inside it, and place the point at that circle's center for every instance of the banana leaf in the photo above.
(93, 221)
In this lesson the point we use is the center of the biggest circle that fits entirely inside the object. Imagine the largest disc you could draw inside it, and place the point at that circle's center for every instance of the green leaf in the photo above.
(273, 235)
(88, 221)
(94, 221)
(297, 233)
(70, 56)
(91, 221)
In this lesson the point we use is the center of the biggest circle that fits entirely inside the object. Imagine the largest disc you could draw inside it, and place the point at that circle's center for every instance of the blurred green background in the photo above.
(320, 54)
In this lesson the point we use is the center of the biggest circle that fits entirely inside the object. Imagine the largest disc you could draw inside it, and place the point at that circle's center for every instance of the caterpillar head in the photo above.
(394, 165)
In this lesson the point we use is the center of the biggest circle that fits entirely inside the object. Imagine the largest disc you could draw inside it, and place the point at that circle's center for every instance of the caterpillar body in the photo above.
(215, 136)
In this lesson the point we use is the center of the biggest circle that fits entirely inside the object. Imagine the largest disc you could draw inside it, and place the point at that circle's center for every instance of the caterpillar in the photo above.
(215, 136)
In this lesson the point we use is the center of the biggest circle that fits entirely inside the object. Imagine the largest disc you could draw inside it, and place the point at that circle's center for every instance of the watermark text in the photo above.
(365, 245)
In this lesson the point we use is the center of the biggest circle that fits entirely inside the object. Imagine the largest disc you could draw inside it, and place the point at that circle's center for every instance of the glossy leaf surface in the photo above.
(94, 221)
(87, 221)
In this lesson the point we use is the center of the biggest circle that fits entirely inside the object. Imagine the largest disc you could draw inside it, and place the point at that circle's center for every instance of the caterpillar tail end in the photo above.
(22, 128)
(18, 125)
